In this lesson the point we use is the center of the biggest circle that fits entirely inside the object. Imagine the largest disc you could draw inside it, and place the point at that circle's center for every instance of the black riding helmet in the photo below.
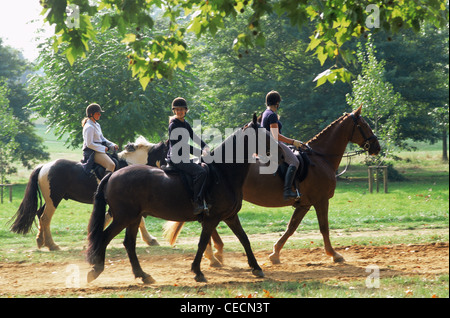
(273, 98)
(92, 109)
(179, 102)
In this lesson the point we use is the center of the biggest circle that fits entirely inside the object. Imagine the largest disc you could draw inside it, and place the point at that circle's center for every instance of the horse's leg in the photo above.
(322, 216)
(236, 227)
(218, 244)
(294, 222)
(44, 236)
(130, 245)
(145, 236)
(213, 261)
(108, 234)
(208, 226)
(108, 220)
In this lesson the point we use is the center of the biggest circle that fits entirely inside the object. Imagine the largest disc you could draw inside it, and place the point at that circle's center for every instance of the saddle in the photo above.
(303, 168)
(91, 167)
(188, 182)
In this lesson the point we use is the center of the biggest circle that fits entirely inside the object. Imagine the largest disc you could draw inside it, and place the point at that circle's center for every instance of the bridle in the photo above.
(366, 143)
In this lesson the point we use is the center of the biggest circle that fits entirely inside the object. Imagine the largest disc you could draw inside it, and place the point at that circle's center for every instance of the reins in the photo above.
(348, 154)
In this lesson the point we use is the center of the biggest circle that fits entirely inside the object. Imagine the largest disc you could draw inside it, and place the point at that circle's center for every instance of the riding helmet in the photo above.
(179, 102)
(92, 109)
(273, 98)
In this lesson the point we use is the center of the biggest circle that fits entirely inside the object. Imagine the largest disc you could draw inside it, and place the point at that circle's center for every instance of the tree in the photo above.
(63, 92)
(231, 88)
(335, 22)
(9, 125)
(13, 69)
(382, 106)
(417, 67)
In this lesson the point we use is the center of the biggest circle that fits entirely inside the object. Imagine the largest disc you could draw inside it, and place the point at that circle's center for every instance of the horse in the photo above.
(66, 179)
(327, 150)
(137, 191)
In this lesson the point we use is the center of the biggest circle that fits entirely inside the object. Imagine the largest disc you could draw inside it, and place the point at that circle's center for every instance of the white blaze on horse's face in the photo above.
(137, 153)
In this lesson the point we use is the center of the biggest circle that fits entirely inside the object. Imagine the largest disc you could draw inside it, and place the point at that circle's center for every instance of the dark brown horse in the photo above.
(328, 148)
(66, 179)
(137, 191)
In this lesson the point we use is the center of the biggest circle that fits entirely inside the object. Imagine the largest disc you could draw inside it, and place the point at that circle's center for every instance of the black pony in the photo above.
(137, 191)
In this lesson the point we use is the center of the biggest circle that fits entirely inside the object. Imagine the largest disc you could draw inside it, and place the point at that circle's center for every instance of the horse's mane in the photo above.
(141, 141)
(316, 137)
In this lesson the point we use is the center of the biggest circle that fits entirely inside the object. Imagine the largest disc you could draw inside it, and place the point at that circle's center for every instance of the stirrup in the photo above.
(299, 195)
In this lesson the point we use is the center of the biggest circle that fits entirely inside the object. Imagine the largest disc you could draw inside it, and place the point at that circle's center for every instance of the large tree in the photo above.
(63, 92)
(13, 70)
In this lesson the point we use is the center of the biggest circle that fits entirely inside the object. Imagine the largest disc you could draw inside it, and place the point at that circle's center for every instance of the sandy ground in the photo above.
(58, 279)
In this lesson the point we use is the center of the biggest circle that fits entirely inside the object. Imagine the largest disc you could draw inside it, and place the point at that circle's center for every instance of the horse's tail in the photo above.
(28, 209)
(171, 231)
(96, 223)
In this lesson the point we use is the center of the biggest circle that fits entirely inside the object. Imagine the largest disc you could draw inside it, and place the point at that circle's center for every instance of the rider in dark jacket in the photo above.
(179, 134)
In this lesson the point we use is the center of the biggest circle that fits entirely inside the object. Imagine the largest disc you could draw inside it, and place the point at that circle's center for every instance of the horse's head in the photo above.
(362, 134)
(137, 152)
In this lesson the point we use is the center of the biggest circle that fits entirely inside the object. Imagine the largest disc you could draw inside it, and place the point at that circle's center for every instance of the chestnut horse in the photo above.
(317, 189)
(138, 191)
(66, 179)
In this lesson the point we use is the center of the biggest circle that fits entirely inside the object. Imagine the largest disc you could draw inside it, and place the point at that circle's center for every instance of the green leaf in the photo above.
(129, 38)
(321, 55)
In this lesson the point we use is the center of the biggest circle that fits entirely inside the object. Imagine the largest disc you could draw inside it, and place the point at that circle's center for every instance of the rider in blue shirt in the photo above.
(271, 122)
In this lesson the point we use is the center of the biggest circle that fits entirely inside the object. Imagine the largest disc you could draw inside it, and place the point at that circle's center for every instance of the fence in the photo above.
(385, 178)
(10, 186)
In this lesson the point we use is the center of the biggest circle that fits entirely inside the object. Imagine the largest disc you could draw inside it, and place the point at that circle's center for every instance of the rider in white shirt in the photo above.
(93, 139)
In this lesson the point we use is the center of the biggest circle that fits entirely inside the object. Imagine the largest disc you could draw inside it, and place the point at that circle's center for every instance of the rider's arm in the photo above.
(276, 134)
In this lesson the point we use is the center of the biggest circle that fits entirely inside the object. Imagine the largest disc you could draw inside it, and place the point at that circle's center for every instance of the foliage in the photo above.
(8, 131)
(382, 106)
(13, 69)
(231, 87)
(62, 93)
(335, 23)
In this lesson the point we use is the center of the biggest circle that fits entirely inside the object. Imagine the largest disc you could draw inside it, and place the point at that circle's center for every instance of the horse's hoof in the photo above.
(215, 263)
(148, 280)
(258, 273)
(39, 243)
(92, 275)
(274, 258)
(153, 242)
(338, 258)
(200, 278)
(54, 247)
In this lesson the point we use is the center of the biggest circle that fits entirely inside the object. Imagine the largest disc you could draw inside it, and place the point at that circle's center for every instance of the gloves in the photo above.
(297, 143)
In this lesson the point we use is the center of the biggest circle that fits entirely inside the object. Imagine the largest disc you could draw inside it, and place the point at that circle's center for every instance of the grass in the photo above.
(420, 202)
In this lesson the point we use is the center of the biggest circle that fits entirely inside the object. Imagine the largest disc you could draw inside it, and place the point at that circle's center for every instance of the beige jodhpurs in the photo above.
(105, 161)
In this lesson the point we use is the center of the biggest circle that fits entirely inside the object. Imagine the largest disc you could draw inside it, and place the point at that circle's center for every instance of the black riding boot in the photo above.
(288, 180)
(199, 189)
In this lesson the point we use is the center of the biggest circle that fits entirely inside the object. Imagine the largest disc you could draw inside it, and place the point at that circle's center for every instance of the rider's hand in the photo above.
(297, 143)
(205, 151)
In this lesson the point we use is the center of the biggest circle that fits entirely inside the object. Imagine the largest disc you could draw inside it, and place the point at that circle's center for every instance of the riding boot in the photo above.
(288, 180)
(198, 207)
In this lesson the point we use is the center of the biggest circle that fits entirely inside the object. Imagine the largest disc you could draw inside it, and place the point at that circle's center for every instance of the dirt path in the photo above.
(52, 279)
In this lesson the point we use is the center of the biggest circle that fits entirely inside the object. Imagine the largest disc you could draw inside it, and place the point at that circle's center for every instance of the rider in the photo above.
(181, 160)
(270, 121)
(95, 145)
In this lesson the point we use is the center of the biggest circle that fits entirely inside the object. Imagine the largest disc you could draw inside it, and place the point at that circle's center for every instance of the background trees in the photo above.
(19, 141)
